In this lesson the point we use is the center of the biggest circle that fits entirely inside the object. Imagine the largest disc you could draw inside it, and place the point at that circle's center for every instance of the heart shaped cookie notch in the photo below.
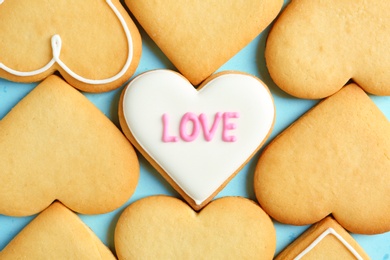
(227, 228)
(197, 139)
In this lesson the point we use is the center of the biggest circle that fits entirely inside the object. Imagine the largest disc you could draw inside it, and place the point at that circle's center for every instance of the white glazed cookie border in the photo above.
(56, 44)
(322, 236)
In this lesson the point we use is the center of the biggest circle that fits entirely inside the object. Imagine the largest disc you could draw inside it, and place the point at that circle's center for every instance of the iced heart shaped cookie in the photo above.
(93, 44)
(324, 240)
(162, 227)
(197, 139)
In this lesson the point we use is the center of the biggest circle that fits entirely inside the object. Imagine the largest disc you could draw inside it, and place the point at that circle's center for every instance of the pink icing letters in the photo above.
(229, 126)
(209, 134)
(195, 127)
(200, 123)
(166, 138)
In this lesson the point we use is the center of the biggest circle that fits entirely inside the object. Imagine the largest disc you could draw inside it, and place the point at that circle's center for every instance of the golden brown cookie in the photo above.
(324, 240)
(55, 144)
(93, 44)
(315, 47)
(334, 160)
(162, 227)
(56, 233)
(200, 36)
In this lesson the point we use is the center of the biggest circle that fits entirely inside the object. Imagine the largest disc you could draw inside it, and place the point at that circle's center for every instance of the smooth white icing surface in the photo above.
(56, 44)
(322, 236)
(198, 167)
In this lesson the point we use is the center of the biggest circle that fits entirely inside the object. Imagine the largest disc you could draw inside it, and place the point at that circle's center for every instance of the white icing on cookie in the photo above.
(200, 138)
(322, 236)
(56, 44)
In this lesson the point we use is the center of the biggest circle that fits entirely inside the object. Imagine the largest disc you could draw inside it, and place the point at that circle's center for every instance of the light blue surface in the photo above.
(288, 109)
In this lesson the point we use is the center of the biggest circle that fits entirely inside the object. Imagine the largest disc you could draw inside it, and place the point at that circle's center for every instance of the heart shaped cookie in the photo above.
(315, 47)
(93, 44)
(324, 240)
(162, 227)
(56, 145)
(56, 233)
(197, 139)
(334, 160)
(200, 36)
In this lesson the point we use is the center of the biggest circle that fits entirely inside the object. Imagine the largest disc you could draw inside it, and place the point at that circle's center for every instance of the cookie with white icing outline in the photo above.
(324, 240)
(56, 233)
(197, 139)
(198, 37)
(162, 227)
(56, 145)
(334, 160)
(93, 44)
(315, 47)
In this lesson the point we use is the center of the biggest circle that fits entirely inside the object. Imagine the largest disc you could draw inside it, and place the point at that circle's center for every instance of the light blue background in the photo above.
(288, 109)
